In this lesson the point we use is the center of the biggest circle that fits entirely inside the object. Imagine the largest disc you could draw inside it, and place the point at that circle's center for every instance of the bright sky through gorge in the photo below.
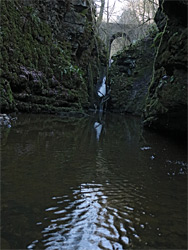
(118, 9)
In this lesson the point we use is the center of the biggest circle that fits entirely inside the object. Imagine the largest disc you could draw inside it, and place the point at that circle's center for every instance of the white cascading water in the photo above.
(110, 62)
(102, 90)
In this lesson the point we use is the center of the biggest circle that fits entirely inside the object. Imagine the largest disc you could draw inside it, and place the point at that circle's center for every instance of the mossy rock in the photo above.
(30, 42)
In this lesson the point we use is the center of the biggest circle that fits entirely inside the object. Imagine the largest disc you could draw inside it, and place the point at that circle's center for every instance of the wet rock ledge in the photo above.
(5, 120)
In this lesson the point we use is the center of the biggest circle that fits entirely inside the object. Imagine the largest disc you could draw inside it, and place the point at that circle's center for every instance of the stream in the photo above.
(91, 183)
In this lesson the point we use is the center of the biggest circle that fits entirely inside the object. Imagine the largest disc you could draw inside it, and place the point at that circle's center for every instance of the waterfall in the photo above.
(110, 62)
(102, 90)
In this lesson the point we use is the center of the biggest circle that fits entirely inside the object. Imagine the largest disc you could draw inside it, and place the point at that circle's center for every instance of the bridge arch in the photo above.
(117, 42)
(114, 33)
(110, 31)
(119, 34)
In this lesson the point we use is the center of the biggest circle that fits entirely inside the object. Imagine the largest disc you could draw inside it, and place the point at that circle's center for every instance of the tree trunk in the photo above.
(99, 19)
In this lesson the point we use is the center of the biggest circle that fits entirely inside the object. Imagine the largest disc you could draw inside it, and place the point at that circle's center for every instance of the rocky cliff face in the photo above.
(166, 105)
(130, 75)
(50, 55)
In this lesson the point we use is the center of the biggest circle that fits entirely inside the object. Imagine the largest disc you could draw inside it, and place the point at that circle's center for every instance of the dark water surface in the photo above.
(87, 184)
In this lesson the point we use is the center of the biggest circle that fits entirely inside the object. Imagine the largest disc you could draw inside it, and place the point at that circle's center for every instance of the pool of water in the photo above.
(91, 183)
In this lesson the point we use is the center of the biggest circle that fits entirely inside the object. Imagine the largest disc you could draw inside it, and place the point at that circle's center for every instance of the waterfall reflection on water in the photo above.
(98, 128)
(62, 188)
(99, 124)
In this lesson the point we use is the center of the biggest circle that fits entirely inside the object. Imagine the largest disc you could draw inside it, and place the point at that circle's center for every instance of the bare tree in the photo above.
(139, 13)
(142, 10)
(101, 12)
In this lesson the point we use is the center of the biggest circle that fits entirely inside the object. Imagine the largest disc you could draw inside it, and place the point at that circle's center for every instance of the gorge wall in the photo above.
(166, 103)
(130, 75)
(150, 77)
(50, 55)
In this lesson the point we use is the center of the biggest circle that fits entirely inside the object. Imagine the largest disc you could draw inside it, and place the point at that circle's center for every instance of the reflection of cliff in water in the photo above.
(62, 181)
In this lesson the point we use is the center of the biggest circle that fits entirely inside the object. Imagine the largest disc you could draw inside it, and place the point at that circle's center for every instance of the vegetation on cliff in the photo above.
(130, 75)
(161, 97)
(166, 104)
(41, 70)
(52, 55)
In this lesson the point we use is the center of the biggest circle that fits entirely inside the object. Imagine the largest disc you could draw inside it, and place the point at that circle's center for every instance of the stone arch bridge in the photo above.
(109, 32)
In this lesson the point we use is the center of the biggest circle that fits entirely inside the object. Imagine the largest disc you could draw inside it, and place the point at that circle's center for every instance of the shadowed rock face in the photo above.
(49, 52)
(166, 105)
(130, 75)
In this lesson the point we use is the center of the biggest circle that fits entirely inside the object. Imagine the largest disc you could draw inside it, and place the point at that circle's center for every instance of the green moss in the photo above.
(157, 38)
(9, 93)
(6, 93)
(28, 43)
(84, 12)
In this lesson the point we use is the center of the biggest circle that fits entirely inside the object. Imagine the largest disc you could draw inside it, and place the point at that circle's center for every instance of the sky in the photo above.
(118, 8)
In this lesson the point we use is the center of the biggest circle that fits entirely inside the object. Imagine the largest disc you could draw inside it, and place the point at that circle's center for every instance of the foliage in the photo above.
(157, 38)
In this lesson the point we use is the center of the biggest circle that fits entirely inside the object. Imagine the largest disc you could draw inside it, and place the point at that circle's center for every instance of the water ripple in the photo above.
(95, 217)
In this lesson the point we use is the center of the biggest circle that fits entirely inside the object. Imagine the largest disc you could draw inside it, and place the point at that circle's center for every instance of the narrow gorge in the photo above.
(93, 122)
(52, 58)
